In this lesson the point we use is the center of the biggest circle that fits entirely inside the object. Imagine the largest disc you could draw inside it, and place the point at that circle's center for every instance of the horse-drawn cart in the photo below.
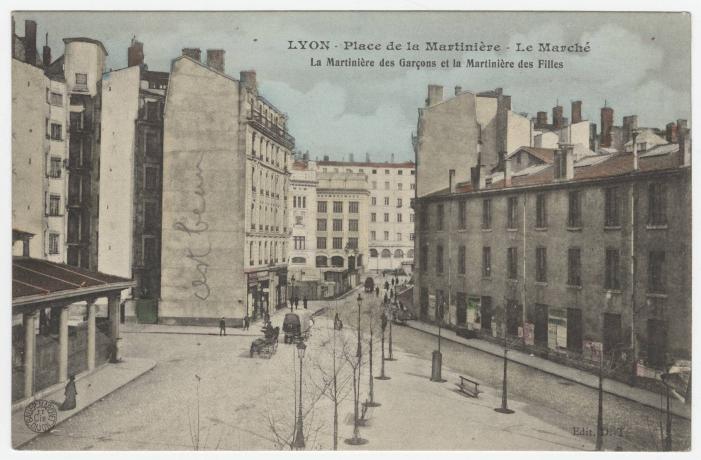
(267, 345)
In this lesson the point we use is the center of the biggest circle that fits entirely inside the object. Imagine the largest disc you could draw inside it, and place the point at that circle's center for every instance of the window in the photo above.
(399, 237)
(411, 237)
(656, 198)
(373, 201)
(423, 260)
(321, 206)
(412, 218)
(322, 261)
(398, 254)
(386, 171)
(386, 236)
(399, 202)
(338, 206)
(560, 166)
(439, 217)
(387, 185)
(439, 259)
(399, 217)
(55, 168)
(611, 207)
(321, 225)
(373, 217)
(574, 210)
(512, 263)
(299, 242)
(512, 213)
(338, 225)
(374, 171)
(56, 99)
(353, 243)
(353, 225)
(151, 178)
(400, 186)
(53, 243)
(462, 215)
(461, 260)
(486, 214)
(486, 261)
(338, 243)
(655, 272)
(153, 143)
(386, 217)
(153, 110)
(413, 186)
(54, 205)
(150, 251)
(298, 219)
(424, 217)
(386, 254)
(541, 211)
(353, 207)
(81, 80)
(612, 280)
(386, 201)
(56, 129)
(373, 235)
(321, 243)
(574, 268)
(541, 264)
(373, 253)
(150, 215)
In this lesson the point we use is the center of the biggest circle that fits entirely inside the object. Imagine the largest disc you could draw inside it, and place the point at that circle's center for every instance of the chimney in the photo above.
(478, 176)
(541, 120)
(564, 162)
(557, 117)
(435, 95)
(12, 37)
(135, 53)
(451, 180)
(576, 114)
(193, 53)
(248, 79)
(634, 137)
(392, 158)
(606, 125)
(630, 123)
(326, 158)
(684, 142)
(507, 172)
(458, 90)
(30, 42)
(367, 157)
(671, 133)
(506, 101)
(350, 157)
(46, 53)
(215, 60)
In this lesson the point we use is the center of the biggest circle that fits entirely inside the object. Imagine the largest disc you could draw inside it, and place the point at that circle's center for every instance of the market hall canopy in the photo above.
(36, 281)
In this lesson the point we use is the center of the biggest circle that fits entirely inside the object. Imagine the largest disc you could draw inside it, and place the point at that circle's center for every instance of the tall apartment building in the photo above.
(573, 256)
(55, 147)
(390, 230)
(461, 130)
(130, 179)
(341, 222)
(303, 223)
(225, 193)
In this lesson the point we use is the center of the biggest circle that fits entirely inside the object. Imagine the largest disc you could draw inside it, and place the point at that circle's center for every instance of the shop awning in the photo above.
(38, 281)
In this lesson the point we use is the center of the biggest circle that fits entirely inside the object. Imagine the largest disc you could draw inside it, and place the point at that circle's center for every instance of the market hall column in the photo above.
(91, 333)
(29, 323)
(113, 312)
(63, 344)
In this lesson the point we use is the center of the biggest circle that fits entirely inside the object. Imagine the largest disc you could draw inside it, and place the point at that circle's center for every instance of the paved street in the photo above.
(249, 403)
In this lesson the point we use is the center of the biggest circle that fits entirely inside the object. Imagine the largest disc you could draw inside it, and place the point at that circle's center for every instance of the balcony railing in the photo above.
(270, 129)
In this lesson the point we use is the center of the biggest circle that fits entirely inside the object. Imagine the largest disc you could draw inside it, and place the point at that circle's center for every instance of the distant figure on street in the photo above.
(377, 291)
(392, 281)
(292, 303)
(246, 322)
(222, 327)
(304, 301)
(296, 303)
(266, 318)
(70, 393)
(386, 286)
(385, 298)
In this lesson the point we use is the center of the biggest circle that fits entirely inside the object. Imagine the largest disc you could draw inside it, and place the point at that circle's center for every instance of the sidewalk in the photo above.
(620, 389)
(91, 388)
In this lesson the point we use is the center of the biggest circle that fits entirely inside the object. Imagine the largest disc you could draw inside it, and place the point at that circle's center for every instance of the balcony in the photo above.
(273, 131)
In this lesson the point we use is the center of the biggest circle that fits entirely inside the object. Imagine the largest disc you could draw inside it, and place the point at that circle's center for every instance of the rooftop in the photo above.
(405, 164)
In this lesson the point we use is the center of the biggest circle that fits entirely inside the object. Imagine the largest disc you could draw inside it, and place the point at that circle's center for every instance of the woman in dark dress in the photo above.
(70, 393)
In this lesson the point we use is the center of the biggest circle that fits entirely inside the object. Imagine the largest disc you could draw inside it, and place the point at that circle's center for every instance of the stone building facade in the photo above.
(570, 257)
(225, 193)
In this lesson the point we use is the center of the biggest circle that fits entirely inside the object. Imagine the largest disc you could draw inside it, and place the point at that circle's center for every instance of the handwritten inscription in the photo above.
(195, 226)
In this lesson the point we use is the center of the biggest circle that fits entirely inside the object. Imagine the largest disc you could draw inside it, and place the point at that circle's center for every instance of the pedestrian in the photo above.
(385, 300)
(246, 322)
(304, 301)
(386, 286)
(297, 303)
(222, 327)
(377, 291)
(70, 392)
(266, 318)
(392, 281)
(292, 303)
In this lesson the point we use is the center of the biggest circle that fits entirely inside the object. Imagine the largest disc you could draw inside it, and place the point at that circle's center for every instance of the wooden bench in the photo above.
(468, 387)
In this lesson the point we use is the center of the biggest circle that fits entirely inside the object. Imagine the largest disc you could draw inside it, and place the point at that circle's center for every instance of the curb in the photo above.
(594, 387)
(78, 411)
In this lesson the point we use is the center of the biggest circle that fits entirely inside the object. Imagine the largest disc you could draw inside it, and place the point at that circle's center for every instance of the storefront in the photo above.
(267, 291)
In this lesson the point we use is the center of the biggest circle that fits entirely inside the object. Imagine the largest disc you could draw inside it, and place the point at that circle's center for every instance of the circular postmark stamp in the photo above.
(40, 415)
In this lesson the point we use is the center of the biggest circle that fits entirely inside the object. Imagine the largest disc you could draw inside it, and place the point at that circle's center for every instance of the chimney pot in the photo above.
(248, 79)
(215, 59)
(30, 42)
(135, 53)
(576, 114)
(458, 90)
(451, 180)
(435, 95)
(507, 172)
(194, 53)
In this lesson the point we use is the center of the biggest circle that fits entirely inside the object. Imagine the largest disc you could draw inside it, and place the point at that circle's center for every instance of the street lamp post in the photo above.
(437, 358)
(299, 432)
(292, 291)
(667, 446)
(504, 409)
(382, 375)
(391, 358)
(356, 439)
(371, 402)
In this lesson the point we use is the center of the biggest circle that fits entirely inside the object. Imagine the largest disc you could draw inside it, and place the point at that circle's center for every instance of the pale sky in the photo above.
(639, 63)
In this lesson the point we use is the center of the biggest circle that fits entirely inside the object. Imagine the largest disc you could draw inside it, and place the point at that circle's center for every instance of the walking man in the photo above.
(296, 303)
(377, 291)
(222, 327)
(304, 301)
(246, 322)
